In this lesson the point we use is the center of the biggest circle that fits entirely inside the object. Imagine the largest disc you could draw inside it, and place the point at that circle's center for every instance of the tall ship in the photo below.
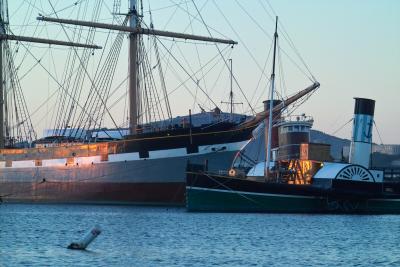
(79, 160)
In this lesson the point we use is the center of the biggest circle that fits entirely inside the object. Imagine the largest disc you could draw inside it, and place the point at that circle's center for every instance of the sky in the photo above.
(354, 51)
(351, 47)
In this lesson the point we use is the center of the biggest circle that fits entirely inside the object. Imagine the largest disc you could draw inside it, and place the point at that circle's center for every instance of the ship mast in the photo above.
(231, 103)
(132, 69)
(271, 103)
(135, 29)
(231, 92)
(1, 81)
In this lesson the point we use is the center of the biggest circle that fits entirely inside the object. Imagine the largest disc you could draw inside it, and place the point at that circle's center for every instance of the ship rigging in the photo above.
(81, 160)
(73, 119)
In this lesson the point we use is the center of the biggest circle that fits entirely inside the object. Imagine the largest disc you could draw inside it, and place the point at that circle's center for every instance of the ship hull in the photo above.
(214, 193)
(201, 199)
(159, 181)
(143, 169)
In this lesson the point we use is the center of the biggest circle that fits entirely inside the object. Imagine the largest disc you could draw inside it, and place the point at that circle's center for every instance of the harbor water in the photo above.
(38, 235)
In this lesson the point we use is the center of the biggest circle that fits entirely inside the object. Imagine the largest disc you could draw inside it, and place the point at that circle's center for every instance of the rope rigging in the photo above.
(18, 128)
(192, 18)
(379, 134)
(197, 54)
(161, 73)
(234, 78)
(190, 76)
(94, 109)
(88, 76)
(211, 64)
(75, 113)
(67, 108)
(58, 83)
(173, 45)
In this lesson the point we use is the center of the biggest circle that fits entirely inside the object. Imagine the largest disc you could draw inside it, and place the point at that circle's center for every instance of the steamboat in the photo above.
(298, 176)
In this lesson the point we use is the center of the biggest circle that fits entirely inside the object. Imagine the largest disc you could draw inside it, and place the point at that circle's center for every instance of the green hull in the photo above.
(216, 200)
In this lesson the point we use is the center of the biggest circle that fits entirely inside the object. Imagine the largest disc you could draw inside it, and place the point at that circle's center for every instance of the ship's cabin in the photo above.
(294, 158)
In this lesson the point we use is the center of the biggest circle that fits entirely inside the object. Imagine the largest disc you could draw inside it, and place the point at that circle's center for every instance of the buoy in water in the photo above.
(87, 239)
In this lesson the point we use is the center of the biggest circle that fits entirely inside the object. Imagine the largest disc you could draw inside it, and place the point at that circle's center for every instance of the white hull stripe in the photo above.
(158, 154)
(248, 193)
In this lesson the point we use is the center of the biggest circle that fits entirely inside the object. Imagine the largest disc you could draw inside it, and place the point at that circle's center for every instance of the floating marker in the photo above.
(87, 239)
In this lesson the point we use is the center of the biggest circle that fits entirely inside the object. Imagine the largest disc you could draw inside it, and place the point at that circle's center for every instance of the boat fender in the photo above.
(86, 240)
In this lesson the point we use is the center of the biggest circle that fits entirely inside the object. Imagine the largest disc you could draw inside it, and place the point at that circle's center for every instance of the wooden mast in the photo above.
(2, 31)
(137, 30)
(2, 141)
(259, 117)
(271, 105)
(231, 92)
(44, 41)
(132, 69)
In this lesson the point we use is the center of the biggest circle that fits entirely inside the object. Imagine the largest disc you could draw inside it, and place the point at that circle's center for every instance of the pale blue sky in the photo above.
(351, 47)
(354, 49)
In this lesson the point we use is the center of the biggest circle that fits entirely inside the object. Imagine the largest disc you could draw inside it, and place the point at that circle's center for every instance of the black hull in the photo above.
(146, 170)
(214, 193)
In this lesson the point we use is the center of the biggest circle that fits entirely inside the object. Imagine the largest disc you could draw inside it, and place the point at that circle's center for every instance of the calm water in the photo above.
(37, 235)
